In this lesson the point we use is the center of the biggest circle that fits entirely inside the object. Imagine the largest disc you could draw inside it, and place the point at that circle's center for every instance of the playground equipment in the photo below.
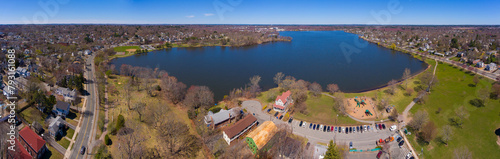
(367, 112)
(359, 103)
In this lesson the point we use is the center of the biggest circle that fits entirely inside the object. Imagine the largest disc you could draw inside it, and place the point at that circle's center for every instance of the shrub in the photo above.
(107, 140)
(215, 109)
(476, 102)
(120, 122)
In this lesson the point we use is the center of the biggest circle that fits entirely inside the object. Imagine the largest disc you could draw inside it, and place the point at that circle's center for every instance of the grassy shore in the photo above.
(455, 89)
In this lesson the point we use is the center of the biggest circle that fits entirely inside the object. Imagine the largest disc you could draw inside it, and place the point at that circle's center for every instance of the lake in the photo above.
(316, 56)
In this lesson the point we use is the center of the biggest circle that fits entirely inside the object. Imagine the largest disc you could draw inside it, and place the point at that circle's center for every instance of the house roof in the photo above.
(239, 126)
(278, 106)
(262, 134)
(62, 105)
(54, 124)
(22, 154)
(220, 116)
(33, 140)
(284, 96)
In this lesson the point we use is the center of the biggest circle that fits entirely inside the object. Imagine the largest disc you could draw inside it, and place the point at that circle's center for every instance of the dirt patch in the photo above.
(131, 50)
(358, 106)
(120, 53)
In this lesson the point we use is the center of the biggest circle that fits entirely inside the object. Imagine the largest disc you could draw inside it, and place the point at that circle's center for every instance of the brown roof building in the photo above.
(234, 131)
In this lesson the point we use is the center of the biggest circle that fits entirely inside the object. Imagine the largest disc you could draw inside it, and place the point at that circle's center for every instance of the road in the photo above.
(361, 141)
(86, 126)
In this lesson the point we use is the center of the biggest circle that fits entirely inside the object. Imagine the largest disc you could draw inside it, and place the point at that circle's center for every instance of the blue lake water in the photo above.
(315, 56)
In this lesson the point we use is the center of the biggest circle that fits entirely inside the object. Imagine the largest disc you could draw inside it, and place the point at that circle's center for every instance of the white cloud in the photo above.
(190, 16)
(208, 14)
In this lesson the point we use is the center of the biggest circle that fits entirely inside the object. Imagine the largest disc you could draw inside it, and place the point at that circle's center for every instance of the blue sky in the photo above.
(440, 12)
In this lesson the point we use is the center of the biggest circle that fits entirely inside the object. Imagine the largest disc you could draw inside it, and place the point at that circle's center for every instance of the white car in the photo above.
(321, 127)
(304, 124)
(393, 127)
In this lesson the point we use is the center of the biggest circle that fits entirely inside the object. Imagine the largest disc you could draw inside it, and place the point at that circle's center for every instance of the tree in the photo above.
(462, 153)
(284, 145)
(127, 93)
(394, 115)
(428, 132)
(177, 143)
(315, 89)
(446, 134)
(120, 122)
(340, 104)
(409, 91)
(460, 115)
(199, 97)
(140, 108)
(406, 76)
(278, 78)
(332, 152)
(131, 141)
(392, 86)
(483, 94)
(332, 88)
(475, 80)
(419, 119)
(254, 86)
(425, 79)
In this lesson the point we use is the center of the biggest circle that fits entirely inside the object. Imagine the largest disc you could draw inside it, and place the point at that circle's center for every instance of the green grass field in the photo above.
(64, 143)
(70, 132)
(124, 48)
(454, 89)
(320, 110)
(52, 153)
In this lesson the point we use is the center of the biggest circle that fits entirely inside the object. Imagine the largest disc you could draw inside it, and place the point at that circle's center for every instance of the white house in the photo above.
(283, 101)
(68, 94)
(239, 128)
(55, 126)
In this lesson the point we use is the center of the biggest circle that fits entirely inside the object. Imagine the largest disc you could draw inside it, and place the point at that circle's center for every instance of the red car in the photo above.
(331, 129)
(380, 126)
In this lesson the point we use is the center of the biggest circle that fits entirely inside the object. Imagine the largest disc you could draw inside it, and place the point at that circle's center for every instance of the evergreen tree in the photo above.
(332, 152)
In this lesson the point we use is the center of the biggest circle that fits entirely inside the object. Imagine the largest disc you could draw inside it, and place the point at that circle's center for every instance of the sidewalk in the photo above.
(67, 154)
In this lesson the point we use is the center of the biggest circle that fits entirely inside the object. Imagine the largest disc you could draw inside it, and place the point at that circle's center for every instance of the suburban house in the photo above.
(33, 143)
(56, 126)
(23, 72)
(68, 94)
(223, 117)
(37, 127)
(61, 108)
(239, 128)
(491, 67)
(260, 136)
(20, 152)
(282, 101)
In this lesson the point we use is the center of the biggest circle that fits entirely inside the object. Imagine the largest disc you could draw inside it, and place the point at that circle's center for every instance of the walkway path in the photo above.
(105, 129)
(407, 109)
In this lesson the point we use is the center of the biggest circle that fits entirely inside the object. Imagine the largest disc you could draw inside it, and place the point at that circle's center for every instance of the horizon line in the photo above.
(258, 24)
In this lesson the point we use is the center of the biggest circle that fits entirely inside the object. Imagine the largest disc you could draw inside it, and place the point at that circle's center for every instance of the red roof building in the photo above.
(282, 101)
(32, 143)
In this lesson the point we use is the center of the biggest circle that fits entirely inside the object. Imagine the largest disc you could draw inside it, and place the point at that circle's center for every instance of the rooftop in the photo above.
(262, 134)
(239, 126)
(35, 141)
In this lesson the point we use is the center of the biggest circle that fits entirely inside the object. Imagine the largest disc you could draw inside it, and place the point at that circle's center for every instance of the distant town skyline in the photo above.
(387, 12)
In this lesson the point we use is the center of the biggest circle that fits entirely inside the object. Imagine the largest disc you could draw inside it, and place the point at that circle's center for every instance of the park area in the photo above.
(476, 134)
(361, 108)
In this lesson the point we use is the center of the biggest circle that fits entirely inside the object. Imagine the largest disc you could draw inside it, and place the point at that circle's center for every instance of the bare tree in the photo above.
(173, 90)
(127, 93)
(177, 142)
(332, 88)
(315, 89)
(339, 104)
(140, 107)
(462, 153)
(199, 97)
(446, 134)
(419, 119)
(406, 76)
(392, 86)
(409, 91)
(476, 80)
(285, 146)
(394, 115)
(131, 141)
(278, 78)
(237, 151)
(428, 132)
(254, 86)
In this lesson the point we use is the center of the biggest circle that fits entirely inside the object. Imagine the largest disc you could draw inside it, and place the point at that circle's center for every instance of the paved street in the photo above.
(84, 135)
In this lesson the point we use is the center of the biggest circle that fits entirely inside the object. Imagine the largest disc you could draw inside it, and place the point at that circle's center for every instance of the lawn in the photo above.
(320, 110)
(455, 89)
(69, 133)
(124, 48)
(64, 142)
(52, 153)
(32, 114)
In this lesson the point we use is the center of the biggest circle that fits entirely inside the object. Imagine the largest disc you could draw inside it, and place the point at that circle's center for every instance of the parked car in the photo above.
(350, 129)
(304, 125)
(268, 110)
(360, 129)
(82, 150)
(307, 146)
(353, 129)
(408, 155)
(346, 130)
(379, 154)
(290, 120)
(364, 126)
(325, 128)
(331, 129)
(276, 114)
(368, 127)
(320, 127)
(350, 145)
(399, 139)
(328, 129)
(357, 128)
(383, 126)
(281, 117)
(341, 130)
(401, 143)
(380, 126)
(335, 129)
(300, 124)
(314, 127)
(310, 125)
